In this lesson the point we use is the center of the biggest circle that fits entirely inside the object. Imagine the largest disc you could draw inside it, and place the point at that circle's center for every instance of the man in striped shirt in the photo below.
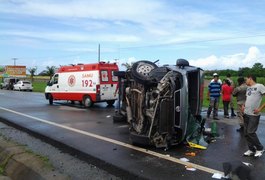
(214, 92)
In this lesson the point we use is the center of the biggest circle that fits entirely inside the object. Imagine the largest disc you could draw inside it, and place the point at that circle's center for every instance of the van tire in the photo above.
(87, 102)
(110, 102)
(140, 71)
(50, 99)
(119, 118)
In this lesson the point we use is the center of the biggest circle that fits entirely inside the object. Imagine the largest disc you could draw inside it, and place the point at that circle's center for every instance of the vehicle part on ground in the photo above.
(162, 104)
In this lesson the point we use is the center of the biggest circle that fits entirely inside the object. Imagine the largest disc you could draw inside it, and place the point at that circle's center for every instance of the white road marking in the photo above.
(146, 151)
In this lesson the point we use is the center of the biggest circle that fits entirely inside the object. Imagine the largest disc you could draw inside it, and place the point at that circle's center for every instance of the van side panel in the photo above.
(74, 85)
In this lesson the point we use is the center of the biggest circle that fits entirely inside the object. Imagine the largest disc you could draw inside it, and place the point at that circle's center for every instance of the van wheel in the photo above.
(87, 101)
(111, 102)
(50, 99)
(141, 71)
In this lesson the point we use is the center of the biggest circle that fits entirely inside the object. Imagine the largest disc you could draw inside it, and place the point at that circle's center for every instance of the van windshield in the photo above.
(54, 79)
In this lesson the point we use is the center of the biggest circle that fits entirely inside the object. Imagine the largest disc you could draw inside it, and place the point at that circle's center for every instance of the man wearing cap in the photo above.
(214, 92)
(219, 80)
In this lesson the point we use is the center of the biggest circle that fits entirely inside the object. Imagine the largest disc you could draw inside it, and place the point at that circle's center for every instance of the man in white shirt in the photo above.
(252, 111)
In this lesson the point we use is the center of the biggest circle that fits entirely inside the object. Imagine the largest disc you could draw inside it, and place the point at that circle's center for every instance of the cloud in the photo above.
(72, 36)
(235, 61)
(153, 16)
(210, 61)
(253, 56)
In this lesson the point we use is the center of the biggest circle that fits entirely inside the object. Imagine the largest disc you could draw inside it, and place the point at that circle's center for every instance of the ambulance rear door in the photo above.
(108, 85)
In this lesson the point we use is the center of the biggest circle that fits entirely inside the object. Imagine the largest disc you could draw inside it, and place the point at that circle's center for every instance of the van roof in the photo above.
(87, 67)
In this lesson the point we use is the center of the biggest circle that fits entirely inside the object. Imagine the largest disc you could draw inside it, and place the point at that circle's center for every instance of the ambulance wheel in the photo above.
(50, 99)
(111, 102)
(87, 102)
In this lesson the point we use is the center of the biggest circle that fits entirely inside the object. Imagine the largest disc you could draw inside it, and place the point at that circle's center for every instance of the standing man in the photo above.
(252, 111)
(214, 91)
(240, 94)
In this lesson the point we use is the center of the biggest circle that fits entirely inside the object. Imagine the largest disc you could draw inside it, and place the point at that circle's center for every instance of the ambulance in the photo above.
(86, 83)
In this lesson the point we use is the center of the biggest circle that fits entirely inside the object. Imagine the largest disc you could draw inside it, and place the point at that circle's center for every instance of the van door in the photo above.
(108, 85)
(54, 87)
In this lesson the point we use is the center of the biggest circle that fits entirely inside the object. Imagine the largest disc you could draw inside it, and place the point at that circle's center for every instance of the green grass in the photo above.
(39, 86)
(44, 159)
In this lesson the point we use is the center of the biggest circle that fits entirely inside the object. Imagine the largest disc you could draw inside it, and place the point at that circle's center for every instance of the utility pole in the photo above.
(14, 59)
(98, 52)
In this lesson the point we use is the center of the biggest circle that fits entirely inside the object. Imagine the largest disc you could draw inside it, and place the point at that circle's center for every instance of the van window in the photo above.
(104, 76)
(54, 79)
(114, 78)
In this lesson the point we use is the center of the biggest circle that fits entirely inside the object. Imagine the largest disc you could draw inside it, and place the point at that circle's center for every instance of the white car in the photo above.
(23, 86)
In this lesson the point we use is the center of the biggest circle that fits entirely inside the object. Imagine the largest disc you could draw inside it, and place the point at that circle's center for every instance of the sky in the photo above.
(210, 34)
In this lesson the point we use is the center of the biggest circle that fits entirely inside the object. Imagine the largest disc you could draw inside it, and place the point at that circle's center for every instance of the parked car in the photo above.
(23, 86)
(9, 83)
(162, 104)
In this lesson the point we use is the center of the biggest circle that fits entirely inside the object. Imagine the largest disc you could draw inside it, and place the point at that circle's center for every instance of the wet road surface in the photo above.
(92, 135)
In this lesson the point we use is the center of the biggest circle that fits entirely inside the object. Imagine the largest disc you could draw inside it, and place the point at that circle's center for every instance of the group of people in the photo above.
(248, 94)
(217, 88)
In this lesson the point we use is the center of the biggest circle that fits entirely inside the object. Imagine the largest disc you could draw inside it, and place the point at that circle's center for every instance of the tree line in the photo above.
(257, 69)
(50, 70)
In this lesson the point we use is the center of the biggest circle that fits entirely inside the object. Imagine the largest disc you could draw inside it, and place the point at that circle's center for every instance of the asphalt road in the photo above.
(92, 135)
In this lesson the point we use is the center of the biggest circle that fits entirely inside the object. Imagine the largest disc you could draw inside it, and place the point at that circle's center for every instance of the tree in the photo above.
(257, 66)
(50, 71)
(257, 69)
(32, 72)
(127, 65)
(244, 71)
